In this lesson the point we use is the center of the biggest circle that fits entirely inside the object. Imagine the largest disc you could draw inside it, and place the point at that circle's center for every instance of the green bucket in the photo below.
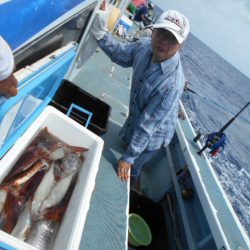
(139, 233)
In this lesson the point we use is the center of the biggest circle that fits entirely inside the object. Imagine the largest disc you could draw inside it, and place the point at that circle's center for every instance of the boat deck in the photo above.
(106, 223)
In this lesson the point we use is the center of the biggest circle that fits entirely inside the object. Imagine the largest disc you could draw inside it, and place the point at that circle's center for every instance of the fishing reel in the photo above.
(215, 141)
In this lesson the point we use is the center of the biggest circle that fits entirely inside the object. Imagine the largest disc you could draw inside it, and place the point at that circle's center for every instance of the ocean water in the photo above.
(221, 91)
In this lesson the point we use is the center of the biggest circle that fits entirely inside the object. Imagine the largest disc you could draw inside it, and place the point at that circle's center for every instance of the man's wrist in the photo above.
(128, 158)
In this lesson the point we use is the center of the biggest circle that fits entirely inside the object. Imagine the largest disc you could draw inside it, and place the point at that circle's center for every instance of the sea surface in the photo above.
(221, 91)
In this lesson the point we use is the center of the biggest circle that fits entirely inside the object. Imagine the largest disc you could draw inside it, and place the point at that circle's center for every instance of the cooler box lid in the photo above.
(37, 85)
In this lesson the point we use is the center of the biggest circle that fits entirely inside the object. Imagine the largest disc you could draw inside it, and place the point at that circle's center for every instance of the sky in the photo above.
(223, 25)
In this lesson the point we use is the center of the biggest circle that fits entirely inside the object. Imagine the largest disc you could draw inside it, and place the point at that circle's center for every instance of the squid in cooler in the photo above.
(32, 155)
(3, 195)
(69, 169)
(55, 183)
(14, 185)
(70, 163)
(35, 151)
(15, 202)
(42, 191)
(57, 193)
(43, 231)
(22, 227)
(44, 146)
(33, 194)
(23, 224)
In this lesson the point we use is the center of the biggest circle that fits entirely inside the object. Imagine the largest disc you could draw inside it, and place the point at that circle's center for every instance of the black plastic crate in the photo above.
(69, 94)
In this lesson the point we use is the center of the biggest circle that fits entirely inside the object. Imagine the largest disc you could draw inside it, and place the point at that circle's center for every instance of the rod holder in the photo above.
(197, 137)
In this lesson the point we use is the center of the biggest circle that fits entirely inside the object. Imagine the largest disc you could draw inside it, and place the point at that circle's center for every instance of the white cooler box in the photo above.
(70, 132)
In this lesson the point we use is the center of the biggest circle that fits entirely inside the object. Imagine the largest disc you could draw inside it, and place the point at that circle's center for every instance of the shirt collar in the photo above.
(171, 62)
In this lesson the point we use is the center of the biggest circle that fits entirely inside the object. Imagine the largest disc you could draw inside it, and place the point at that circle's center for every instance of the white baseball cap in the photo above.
(6, 60)
(175, 22)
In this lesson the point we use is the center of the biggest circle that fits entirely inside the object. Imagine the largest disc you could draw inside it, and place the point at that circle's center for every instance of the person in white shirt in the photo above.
(8, 82)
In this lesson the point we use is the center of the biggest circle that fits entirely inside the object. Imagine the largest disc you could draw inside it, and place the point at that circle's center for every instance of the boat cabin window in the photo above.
(69, 30)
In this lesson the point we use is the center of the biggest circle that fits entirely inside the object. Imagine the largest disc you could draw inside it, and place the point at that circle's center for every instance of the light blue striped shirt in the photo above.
(155, 94)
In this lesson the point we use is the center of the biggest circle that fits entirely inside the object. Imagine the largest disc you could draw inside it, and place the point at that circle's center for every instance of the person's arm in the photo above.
(144, 13)
(143, 17)
(8, 82)
(121, 53)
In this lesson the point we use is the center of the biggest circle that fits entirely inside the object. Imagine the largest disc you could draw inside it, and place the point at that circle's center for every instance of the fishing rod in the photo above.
(192, 91)
(219, 137)
(207, 99)
(210, 100)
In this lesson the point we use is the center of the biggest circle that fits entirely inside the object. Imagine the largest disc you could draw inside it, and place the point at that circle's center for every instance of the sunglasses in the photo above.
(165, 35)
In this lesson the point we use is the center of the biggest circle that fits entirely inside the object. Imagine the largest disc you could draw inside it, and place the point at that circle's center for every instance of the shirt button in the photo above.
(140, 80)
(135, 91)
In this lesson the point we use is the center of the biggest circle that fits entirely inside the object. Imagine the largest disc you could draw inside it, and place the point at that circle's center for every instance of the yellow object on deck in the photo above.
(113, 18)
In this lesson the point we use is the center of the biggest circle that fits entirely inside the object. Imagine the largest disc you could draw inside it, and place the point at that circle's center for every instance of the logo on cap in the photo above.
(180, 24)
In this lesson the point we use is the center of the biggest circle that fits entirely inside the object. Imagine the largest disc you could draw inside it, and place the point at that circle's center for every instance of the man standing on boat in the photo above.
(143, 13)
(157, 85)
(8, 82)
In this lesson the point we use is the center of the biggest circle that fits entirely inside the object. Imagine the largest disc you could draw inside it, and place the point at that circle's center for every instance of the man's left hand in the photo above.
(123, 170)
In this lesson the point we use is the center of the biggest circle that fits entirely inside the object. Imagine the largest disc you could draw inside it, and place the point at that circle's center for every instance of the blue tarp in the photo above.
(22, 19)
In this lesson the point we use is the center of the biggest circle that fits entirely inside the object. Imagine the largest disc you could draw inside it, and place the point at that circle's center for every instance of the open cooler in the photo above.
(37, 84)
(72, 133)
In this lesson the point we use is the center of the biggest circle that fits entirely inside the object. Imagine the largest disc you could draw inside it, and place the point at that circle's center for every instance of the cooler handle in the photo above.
(82, 110)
